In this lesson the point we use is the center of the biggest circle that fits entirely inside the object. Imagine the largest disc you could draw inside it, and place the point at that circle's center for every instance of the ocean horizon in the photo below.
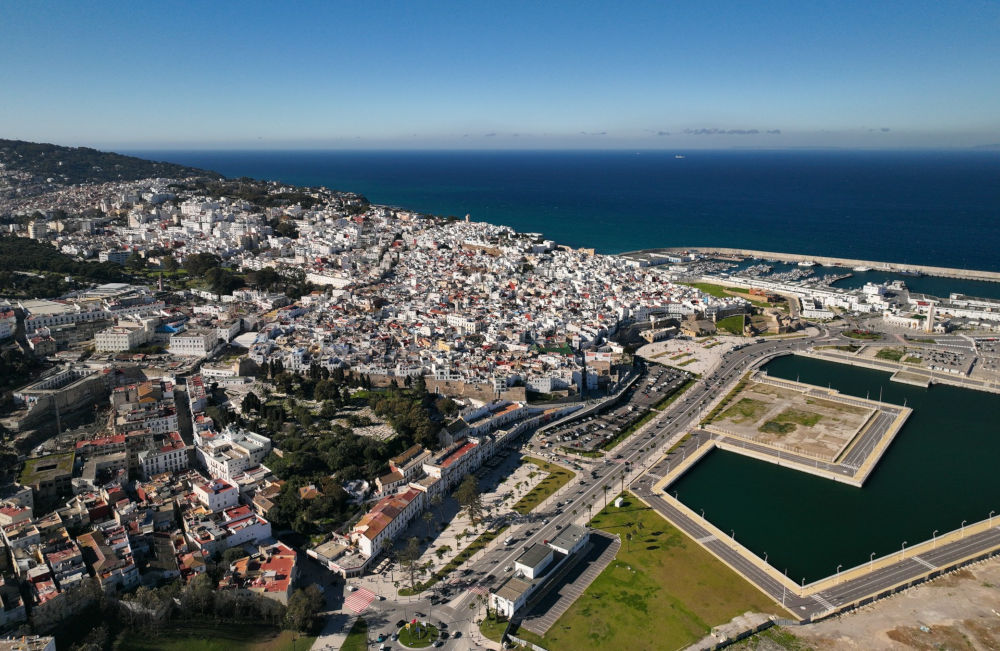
(931, 207)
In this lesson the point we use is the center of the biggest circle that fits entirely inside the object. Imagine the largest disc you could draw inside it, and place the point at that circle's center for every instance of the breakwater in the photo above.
(898, 267)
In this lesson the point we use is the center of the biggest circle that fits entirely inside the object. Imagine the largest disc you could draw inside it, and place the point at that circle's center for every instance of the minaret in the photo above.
(929, 324)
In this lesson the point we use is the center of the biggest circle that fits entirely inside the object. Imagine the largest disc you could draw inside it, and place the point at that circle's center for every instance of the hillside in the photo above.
(29, 168)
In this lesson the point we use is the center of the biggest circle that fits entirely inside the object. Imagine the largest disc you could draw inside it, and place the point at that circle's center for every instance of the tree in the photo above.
(198, 595)
(250, 403)
(232, 555)
(302, 608)
(199, 263)
(469, 498)
(170, 264)
(135, 262)
(328, 410)
(628, 537)
(408, 558)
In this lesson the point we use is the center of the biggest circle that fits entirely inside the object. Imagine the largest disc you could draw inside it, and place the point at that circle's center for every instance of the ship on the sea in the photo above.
(807, 263)
(909, 272)
(862, 268)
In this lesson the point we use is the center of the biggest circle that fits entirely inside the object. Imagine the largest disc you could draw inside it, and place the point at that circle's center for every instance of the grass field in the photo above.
(204, 636)
(557, 479)
(731, 324)
(746, 409)
(891, 354)
(866, 335)
(663, 591)
(799, 417)
(357, 639)
(717, 291)
(493, 628)
(774, 427)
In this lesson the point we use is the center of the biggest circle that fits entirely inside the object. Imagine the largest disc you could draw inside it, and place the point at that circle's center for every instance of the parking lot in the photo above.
(589, 433)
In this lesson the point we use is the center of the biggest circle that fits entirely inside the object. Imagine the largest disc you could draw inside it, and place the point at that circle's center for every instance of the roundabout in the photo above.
(418, 635)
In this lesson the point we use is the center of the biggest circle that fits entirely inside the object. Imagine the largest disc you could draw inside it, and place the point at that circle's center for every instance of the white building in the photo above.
(217, 495)
(119, 338)
(193, 343)
(168, 454)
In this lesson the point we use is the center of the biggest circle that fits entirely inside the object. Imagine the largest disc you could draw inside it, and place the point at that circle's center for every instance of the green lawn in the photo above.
(556, 479)
(205, 636)
(417, 637)
(663, 591)
(731, 324)
(866, 335)
(717, 291)
(891, 354)
(357, 639)
(492, 628)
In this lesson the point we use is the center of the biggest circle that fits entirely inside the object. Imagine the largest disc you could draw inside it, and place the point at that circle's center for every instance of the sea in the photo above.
(938, 208)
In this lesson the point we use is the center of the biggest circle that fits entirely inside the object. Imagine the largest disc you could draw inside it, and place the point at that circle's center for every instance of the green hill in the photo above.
(39, 162)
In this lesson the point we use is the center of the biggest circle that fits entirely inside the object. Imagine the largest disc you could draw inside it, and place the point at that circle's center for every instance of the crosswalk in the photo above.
(359, 599)
(823, 602)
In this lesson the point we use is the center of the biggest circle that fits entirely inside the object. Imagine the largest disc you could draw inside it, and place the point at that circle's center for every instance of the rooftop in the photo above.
(47, 467)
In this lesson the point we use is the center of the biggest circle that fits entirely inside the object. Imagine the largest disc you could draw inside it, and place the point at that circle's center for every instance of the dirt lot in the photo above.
(770, 414)
(958, 611)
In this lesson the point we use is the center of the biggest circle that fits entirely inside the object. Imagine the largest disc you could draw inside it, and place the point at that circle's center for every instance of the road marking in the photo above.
(705, 540)
(823, 602)
(929, 566)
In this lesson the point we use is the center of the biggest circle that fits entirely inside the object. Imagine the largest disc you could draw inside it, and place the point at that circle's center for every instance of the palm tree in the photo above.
(428, 517)
(607, 487)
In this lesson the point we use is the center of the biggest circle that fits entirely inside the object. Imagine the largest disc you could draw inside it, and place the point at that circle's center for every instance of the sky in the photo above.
(482, 75)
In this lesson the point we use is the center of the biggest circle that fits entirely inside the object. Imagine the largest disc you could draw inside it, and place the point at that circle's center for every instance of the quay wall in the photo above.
(945, 272)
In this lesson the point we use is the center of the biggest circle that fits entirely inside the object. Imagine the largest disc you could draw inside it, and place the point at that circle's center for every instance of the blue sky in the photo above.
(880, 73)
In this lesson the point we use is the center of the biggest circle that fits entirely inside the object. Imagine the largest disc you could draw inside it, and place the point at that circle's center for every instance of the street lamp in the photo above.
(871, 561)
(901, 549)
(991, 517)
(963, 528)
(934, 537)
(838, 570)
(765, 558)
